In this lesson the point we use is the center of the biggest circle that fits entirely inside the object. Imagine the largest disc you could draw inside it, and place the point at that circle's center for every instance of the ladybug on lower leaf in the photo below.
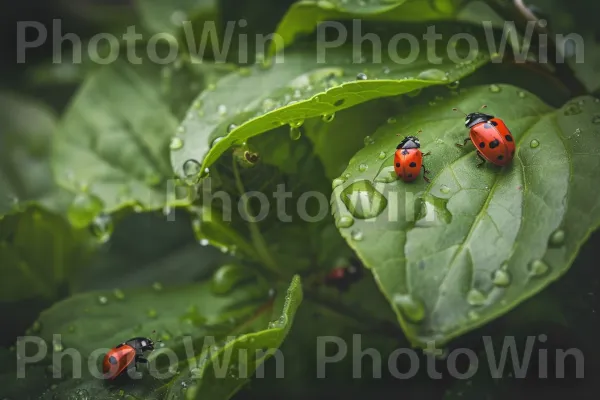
(408, 159)
(125, 356)
(491, 137)
(343, 277)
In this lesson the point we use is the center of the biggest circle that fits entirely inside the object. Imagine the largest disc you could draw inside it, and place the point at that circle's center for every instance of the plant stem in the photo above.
(517, 11)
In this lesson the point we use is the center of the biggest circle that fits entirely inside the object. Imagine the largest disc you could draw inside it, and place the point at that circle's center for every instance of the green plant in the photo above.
(445, 260)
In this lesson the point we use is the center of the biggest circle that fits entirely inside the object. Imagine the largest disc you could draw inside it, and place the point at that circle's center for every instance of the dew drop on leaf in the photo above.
(345, 222)
(495, 89)
(444, 189)
(231, 127)
(391, 120)
(337, 182)
(454, 85)
(381, 155)
(368, 140)
(297, 123)
(363, 167)
(119, 295)
(538, 268)
(157, 286)
(328, 118)
(501, 278)
(521, 94)
(103, 300)
(410, 307)
(102, 227)
(217, 140)
(473, 315)
(475, 297)
(222, 109)
(432, 74)
(357, 235)
(295, 133)
(176, 143)
(84, 208)
(191, 168)
(573, 109)
(362, 76)
(363, 201)
(557, 239)
(534, 143)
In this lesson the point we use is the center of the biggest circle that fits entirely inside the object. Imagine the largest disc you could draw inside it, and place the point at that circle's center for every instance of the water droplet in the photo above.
(475, 297)
(501, 278)
(295, 133)
(119, 295)
(222, 109)
(537, 268)
(433, 211)
(521, 94)
(357, 235)
(381, 155)
(454, 85)
(157, 286)
(557, 239)
(473, 315)
(102, 227)
(297, 124)
(345, 222)
(363, 200)
(534, 143)
(596, 119)
(361, 76)
(79, 394)
(391, 120)
(412, 308)
(573, 109)
(444, 189)
(495, 89)
(216, 140)
(84, 208)
(328, 117)
(337, 182)
(191, 168)
(228, 276)
(368, 140)
(204, 242)
(152, 313)
(363, 167)
(176, 143)
(231, 127)
(103, 300)
(432, 75)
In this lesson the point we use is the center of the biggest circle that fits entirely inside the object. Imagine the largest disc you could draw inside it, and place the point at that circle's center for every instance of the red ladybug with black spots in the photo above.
(126, 356)
(343, 277)
(491, 137)
(408, 159)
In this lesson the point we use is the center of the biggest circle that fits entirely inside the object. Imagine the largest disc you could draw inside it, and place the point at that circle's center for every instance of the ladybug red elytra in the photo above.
(491, 137)
(126, 356)
(408, 159)
(342, 277)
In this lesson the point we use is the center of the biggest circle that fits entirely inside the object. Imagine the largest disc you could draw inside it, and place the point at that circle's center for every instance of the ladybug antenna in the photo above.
(154, 335)
(419, 131)
(456, 109)
(483, 106)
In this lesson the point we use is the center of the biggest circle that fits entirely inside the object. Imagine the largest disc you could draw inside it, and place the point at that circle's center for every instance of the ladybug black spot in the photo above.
(482, 145)
(397, 165)
(112, 360)
(487, 126)
(494, 123)
(413, 164)
(500, 157)
(494, 143)
(410, 175)
(508, 138)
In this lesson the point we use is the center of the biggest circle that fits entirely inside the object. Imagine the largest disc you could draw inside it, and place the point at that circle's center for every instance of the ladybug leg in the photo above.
(425, 172)
(464, 143)
(481, 160)
(427, 154)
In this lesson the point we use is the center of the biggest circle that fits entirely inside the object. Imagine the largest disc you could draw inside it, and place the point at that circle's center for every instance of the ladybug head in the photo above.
(409, 142)
(476, 118)
(147, 344)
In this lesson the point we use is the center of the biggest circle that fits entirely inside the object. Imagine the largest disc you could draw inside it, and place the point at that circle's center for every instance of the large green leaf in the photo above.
(112, 146)
(299, 88)
(240, 356)
(304, 16)
(25, 174)
(39, 252)
(458, 252)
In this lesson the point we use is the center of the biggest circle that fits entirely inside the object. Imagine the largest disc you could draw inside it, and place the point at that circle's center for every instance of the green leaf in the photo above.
(471, 245)
(298, 89)
(304, 16)
(40, 252)
(239, 357)
(112, 146)
(25, 174)
(167, 17)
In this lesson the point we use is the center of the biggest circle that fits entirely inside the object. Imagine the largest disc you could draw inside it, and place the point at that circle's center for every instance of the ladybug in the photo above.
(126, 356)
(408, 159)
(491, 137)
(342, 277)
